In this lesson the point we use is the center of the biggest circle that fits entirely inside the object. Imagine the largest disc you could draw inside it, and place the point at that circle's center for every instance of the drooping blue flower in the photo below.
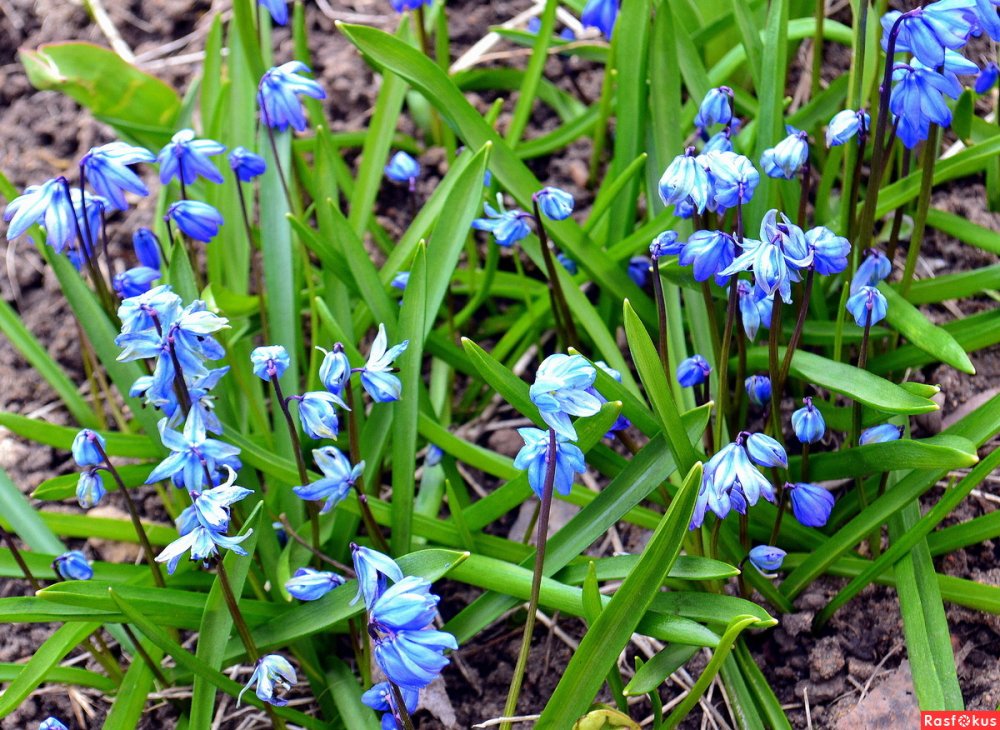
(758, 389)
(875, 268)
(403, 169)
(568, 264)
(621, 423)
(193, 453)
(765, 451)
(90, 488)
(246, 164)
(147, 247)
(755, 308)
(766, 558)
(73, 565)
(665, 244)
(373, 570)
(269, 362)
(381, 699)
(986, 15)
(403, 5)
(811, 504)
(413, 659)
(773, 259)
(829, 251)
(786, 158)
(89, 210)
(203, 544)
(278, 96)
(400, 280)
(534, 24)
(337, 480)
(278, 10)
(880, 434)
(212, 507)
(715, 108)
(917, 100)
(88, 448)
(186, 158)
(318, 413)
(107, 170)
(734, 178)
(533, 457)
(987, 78)
(138, 314)
(600, 14)
(638, 270)
(311, 585)
(49, 206)
(561, 390)
(507, 226)
(709, 253)
(730, 481)
(273, 676)
(555, 203)
(868, 306)
(693, 371)
(927, 31)
(407, 605)
(133, 282)
(434, 455)
(376, 376)
(846, 125)
(197, 220)
(335, 370)
(808, 423)
(686, 177)
(52, 723)
(721, 141)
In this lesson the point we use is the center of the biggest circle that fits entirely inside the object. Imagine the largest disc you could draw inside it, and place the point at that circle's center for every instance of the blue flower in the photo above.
(143, 312)
(147, 247)
(555, 203)
(407, 605)
(192, 454)
(600, 14)
(868, 306)
(381, 699)
(212, 507)
(693, 371)
(89, 210)
(52, 724)
(734, 178)
(730, 481)
(400, 280)
(376, 375)
(766, 558)
(808, 423)
(133, 282)
(335, 370)
(665, 244)
(758, 389)
(721, 141)
(872, 270)
(278, 10)
(638, 270)
(196, 220)
(90, 488)
(204, 545)
(986, 14)
(413, 659)
(533, 457)
(534, 24)
(185, 158)
(507, 226)
(278, 95)
(88, 448)
(318, 413)
(987, 78)
(917, 100)
(402, 5)
(710, 253)
(434, 455)
(310, 585)
(811, 504)
(269, 362)
(567, 263)
(245, 163)
(787, 157)
(847, 124)
(73, 566)
(926, 32)
(373, 569)
(755, 308)
(774, 259)
(560, 390)
(49, 206)
(338, 478)
(403, 169)
(715, 108)
(765, 451)
(880, 434)
(621, 423)
(829, 251)
(273, 677)
(686, 177)
(106, 169)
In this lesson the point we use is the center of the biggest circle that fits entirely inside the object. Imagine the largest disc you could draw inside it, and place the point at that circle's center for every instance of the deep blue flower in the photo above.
(829, 251)
(721, 141)
(373, 569)
(376, 376)
(875, 268)
(192, 454)
(600, 14)
(73, 566)
(402, 5)
(278, 10)
(787, 157)
(868, 306)
(49, 206)
(318, 413)
(710, 253)
(811, 504)
(715, 108)
(880, 434)
(507, 226)
(338, 478)
(534, 24)
(638, 270)
(335, 370)
(133, 282)
(381, 699)
(403, 169)
(87, 448)
(555, 203)
(533, 457)
(693, 371)
(917, 100)
(560, 390)
(273, 677)
(568, 264)
(567, 35)
(986, 14)
(755, 308)
(987, 78)
(766, 558)
(310, 585)
(269, 362)
(926, 32)
(731, 481)
(186, 158)
(245, 163)
(665, 244)
(758, 389)
(734, 178)
(686, 177)
(400, 280)
(196, 220)
(52, 724)
(278, 95)
(106, 169)
(773, 259)
(808, 423)
(147, 247)
(413, 659)
(90, 488)
(846, 125)
(407, 605)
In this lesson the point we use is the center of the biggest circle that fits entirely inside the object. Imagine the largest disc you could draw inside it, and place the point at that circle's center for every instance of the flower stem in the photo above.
(568, 334)
(536, 582)
(817, 50)
(234, 609)
(402, 712)
(713, 322)
(897, 218)
(300, 461)
(661, 316)
(19, 559)
(277, 160)
(355, 448)
(153, 666)
(874, 538)
(793, 343)
(258, 274)
(923, 204)
(774, 368)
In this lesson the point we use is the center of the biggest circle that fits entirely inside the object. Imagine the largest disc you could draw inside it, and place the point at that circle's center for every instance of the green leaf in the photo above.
(930, 338)
(25, 521)
(770, 122)
(126, 711)
(964, 230)
(61, 437)
(653, 673)
(938, 452)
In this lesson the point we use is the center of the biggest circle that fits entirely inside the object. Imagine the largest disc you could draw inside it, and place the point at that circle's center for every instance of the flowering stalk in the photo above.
(404, 713)
(897, 217)
(774, 369)
(661, 316)
(274, 151)
(300, 462)
(536, 582)
(923, 204)
(258, 278)
(874, 539)
(103, 294)
(793, 343)
(366, 513)
(722, 365)
(564, 317)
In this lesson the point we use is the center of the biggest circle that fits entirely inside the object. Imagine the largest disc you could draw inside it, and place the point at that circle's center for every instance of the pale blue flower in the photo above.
(376, 376)
(808, 423)
(868, 306)
(197, 220)
(507, 226)
(686, 177)
(246, 164)
(107, 170)
(337, 480)
(734, 178)
(600, 14)
(278, 96)
(758, 389)
(186, 158)
(846, 125)
(278, 10)
(273, 676)
(73, 565)
(715, 108)
(318, 413)
(403, 169)
(311, 585)
(90, 488)
(875, 267)
(269, 362)
(533, 458)
(88, 448)
(560, 390)
(766, 558)
(413, 659)
(880, 434)
(49, 205)
(829, 251)
(709, 253)
(335, 370)
(786, 158)
(555, 203)
(373, 569)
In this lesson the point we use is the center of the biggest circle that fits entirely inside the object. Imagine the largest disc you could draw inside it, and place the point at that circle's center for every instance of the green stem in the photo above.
(359, 489)
(774, 367)
(404, 714)
(817, 59)
(793, 343)
(923, 205)
(153, 666)
(568, 333)
(258, 274)
(661, 316)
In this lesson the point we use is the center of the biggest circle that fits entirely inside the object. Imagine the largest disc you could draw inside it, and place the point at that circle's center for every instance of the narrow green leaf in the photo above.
(653, 673)
(25, 521)
(930, 338)
(61, 437)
